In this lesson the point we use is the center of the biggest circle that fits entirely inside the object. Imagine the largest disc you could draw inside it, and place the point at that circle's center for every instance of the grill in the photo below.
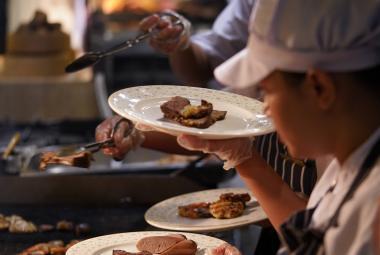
(111, 198)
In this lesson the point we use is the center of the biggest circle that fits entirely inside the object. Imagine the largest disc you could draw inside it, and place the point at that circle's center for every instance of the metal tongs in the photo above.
(91, 58)
(109, 142)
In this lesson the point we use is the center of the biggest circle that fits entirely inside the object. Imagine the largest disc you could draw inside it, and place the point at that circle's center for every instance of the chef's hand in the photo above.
(170, 37)
(122, 144)
(232, 151)
(224, 249)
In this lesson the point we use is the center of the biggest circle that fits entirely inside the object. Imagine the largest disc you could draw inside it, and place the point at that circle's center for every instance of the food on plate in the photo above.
(56, 247)
(226, 209)
(79, 159)
(173, 244)
(224, 249)
(195, 210)
(180, 110)
(229, 205)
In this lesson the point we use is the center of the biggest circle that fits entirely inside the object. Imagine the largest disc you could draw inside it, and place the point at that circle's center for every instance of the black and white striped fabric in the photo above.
(300, 175)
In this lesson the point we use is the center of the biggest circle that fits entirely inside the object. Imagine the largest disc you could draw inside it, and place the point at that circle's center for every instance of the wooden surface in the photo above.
(54, 98)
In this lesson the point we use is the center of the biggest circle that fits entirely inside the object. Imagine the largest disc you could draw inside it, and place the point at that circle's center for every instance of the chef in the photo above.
(318, 61)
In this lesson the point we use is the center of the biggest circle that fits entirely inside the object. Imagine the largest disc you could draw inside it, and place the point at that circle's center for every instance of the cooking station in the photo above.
(111, 196)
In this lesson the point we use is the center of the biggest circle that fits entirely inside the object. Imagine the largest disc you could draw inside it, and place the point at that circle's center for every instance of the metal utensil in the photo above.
(109, 142)
(91, 58)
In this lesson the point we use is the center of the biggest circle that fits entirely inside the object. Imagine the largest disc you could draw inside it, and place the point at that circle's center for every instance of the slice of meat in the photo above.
(195, 210)
(180, 110)
(156, 244)
(226, 209)
(172, 108)
(204, 122)
(185, 247)
(79, 159)
(218, 115)
(242, 197)
(197, 111)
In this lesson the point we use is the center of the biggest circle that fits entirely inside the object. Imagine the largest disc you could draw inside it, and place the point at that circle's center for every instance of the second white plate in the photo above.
(164, 214)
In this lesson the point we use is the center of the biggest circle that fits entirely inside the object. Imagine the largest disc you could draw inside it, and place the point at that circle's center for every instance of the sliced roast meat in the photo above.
(156, 244)
(185, 247)
(180, 110)
(218, 115)
(79, 159)
(197, 111)
(172, 108)
(174, 244)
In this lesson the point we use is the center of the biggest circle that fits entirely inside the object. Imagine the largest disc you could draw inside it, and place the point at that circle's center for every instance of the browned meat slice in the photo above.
(167, 245)
(180, 110)
(242, 197)
(156, 244)
(204, 122)
(195, 210)
(226, 209)
(185, 247)
(80, 159)
(197, 111)
(172, 108)
(218, 115)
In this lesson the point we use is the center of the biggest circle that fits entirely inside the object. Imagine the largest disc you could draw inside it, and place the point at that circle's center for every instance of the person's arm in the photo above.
(191, 65)
(165, 143)
(274, 195)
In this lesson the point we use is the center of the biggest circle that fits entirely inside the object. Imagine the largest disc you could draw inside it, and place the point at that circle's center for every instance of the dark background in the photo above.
(3, 19)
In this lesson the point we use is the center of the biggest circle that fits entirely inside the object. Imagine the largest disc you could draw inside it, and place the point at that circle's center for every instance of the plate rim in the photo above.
(72, 249)
(200, 229)
(196, 132)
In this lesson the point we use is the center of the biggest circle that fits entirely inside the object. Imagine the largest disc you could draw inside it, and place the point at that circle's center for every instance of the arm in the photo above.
(165, 143)
(191, 65)
(193, 60)
(274, 195)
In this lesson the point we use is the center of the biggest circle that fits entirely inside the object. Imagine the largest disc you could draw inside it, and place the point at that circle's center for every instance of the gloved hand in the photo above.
(170, 37)
(232, 151)
(224, 249)
(122, 144)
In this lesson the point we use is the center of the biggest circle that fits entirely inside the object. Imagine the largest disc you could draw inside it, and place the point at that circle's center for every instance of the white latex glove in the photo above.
(232, 151)
(170, 37)
(122, 144)
(224, 249)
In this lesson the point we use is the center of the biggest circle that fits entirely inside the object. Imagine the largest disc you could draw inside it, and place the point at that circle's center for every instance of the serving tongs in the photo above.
(91, 58)
(109, 142)
(79, 156)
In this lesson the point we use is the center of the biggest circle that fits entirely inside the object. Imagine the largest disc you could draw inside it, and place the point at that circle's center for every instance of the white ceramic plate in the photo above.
(104, 245)
(142, 104)
(164, 214)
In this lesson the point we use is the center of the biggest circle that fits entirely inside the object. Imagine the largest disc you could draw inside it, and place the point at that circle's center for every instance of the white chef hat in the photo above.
(295, 35)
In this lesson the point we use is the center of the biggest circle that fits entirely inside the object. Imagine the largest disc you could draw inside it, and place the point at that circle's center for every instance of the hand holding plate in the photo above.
(233, 151)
